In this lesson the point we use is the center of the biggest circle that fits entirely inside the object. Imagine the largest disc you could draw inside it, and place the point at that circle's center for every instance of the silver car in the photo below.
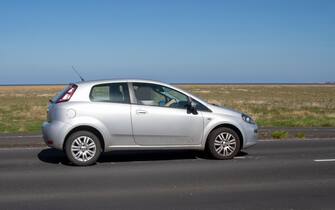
(88, 118)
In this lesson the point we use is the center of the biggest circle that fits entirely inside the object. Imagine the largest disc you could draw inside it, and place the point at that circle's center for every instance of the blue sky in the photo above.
(172, 41)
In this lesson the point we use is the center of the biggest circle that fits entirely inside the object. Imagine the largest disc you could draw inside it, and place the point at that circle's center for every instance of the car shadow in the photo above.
(54, 156)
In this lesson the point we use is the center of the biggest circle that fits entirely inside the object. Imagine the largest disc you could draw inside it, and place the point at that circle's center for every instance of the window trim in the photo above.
(207, 109)
(133, 99)
(108, 84)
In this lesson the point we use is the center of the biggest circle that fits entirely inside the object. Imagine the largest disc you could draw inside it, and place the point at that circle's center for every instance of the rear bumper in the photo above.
(54, 134)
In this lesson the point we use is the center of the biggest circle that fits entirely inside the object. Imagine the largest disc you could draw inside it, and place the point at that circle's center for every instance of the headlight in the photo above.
(248, 119)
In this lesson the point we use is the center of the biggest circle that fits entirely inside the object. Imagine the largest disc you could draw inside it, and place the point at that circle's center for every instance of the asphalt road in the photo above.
(271, 175)
(36, 140)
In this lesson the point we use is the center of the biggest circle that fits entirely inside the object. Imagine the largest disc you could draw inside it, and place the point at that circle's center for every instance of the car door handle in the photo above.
(141, 111)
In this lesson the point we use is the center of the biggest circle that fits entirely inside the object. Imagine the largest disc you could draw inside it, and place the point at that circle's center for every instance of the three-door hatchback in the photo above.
(88, 118)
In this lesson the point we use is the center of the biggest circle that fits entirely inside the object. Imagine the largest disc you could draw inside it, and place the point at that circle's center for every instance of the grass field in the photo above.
(23, 108)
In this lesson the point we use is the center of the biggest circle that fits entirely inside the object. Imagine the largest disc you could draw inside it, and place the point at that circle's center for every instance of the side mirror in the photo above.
(192, 107)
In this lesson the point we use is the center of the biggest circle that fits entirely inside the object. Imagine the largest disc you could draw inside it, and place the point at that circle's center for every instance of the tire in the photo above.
(223, 143)
(83, 148)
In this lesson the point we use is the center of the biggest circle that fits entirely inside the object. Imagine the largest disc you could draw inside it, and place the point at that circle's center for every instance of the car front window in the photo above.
(157, 95)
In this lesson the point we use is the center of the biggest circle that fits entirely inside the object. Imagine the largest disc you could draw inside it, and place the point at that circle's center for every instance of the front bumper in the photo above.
(250, 137)
(54, 134)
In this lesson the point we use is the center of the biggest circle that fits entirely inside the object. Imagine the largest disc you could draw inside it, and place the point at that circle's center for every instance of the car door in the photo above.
(112, 108)
(160, 117)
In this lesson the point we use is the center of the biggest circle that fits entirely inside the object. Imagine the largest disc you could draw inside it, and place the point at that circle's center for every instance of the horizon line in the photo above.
(192, 83)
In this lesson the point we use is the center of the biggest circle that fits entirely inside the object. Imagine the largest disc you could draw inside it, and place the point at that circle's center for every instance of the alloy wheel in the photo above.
(83, 148)
(225, 144)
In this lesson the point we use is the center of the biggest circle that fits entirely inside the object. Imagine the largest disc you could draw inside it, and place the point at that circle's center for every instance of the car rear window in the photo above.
(113, 92)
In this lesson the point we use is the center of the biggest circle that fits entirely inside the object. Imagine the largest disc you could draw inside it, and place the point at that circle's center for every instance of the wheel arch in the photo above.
(86, 128)
(227, 125)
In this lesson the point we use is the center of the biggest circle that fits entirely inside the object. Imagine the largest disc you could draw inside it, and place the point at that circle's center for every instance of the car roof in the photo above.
(93, 82)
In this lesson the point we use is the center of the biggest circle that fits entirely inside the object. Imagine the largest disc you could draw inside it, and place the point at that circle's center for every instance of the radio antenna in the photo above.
(81, 78)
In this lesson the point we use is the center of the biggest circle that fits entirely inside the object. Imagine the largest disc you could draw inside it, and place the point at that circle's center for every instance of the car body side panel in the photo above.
(113, 120)
(113, 117)
(153, 125)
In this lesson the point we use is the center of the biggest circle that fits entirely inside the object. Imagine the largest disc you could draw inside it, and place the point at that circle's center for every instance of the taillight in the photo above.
(67, 94)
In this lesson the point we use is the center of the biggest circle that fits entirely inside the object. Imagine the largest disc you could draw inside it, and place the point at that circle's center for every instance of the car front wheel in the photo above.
(83, 148)
(223, 143)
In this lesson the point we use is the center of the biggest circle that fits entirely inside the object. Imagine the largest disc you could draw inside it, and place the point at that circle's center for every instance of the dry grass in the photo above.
(275, 105)
(23, 108)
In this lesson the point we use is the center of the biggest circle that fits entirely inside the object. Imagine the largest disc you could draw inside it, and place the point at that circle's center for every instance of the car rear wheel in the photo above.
(83, 148)
(223, 143)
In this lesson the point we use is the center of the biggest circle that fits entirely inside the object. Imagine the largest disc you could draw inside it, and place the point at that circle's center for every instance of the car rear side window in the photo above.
(112, 92)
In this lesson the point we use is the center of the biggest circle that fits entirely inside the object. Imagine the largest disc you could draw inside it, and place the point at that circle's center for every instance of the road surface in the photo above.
(271, 175)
